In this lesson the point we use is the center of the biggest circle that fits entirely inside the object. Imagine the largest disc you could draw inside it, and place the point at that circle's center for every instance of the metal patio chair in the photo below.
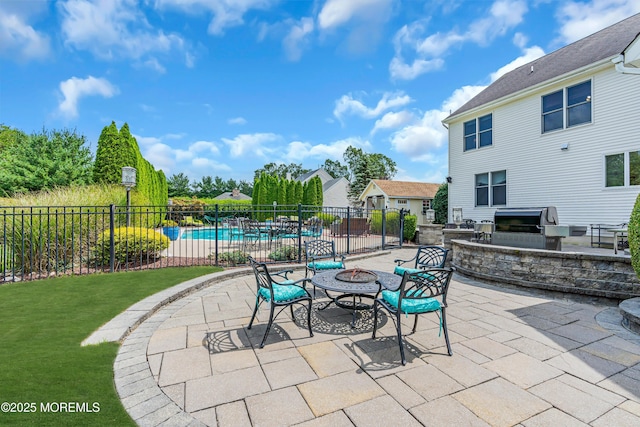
(321, 255)
(280, 293)
(426, 257)
(419, 293)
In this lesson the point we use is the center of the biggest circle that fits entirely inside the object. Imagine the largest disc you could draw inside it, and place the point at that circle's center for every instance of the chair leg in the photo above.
(415, 324)
(255, 311)
(446, 332)
(375, 318)
(264, 339)
(400, 343)
(292, 316)
(309, 319)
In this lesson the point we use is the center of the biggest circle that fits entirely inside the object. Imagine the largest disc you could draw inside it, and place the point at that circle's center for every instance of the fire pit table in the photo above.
(352, 286)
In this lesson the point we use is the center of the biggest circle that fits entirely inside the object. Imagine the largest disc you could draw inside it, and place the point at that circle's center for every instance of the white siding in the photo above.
(539, 173)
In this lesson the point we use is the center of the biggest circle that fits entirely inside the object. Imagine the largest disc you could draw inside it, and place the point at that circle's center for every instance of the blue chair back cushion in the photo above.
(282, 293)
(325, 265)
(411, 306)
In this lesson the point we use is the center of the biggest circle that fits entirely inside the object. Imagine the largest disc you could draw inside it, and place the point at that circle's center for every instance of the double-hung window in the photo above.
(491, 189)
(567, 107)
(478, 132)
(622, 169)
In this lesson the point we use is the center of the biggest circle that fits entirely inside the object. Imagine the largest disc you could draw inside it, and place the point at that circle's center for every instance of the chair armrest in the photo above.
(282, 273)
(404, 261)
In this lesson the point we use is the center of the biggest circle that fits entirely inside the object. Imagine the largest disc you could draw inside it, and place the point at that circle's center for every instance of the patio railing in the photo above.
(40, 242)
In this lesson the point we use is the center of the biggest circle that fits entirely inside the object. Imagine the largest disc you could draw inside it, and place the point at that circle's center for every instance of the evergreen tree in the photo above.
(440, 204)
(107, 168)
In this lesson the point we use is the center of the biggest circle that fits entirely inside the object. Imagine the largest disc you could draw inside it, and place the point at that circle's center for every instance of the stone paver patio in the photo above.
(519, 359)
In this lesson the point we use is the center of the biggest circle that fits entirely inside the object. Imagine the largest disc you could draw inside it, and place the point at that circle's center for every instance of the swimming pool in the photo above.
(224, 233)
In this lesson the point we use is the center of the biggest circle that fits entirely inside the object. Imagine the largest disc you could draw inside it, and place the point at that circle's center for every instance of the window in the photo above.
(622, 169)
(578, 107)
(426, 205)
(497, 183)
(478, 133)
(482, 189)
(401, 202)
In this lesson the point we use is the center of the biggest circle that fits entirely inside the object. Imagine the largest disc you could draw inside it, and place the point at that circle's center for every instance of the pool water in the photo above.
(224, 233)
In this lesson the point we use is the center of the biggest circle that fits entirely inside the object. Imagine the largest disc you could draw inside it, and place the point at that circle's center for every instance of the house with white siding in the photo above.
(334, 190)
(562, 130)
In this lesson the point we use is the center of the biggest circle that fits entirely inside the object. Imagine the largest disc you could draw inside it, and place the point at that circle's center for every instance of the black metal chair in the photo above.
(284, 293)
(420, 292)
(426, 257)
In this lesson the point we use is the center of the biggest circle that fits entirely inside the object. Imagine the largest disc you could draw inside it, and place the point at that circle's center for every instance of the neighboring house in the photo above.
(235, 194)
(334, 190)
(415, 197)
(563, 131)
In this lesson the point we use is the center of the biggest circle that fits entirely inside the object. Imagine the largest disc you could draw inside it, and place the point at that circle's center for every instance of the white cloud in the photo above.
(237, 121)
(115, 29)
(298, 151)
(198, 159)
(75, 88)
(580, 19)
(19, 40)
(335, 13)
(400, 70)
(427, 51)
(226, 13)
(348, 105)
(246, 144)
(393, 120)
(295, 42)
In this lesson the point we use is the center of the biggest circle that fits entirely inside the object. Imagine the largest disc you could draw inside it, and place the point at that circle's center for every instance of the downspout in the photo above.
(619, 62)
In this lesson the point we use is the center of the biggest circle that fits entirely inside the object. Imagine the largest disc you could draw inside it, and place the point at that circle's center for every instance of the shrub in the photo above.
(410, 226)
(169, 223)
(441, 204)
(392, 222)
(634, 236)
(131, 244)
(327, 218)
(232, 258)
(285, 253)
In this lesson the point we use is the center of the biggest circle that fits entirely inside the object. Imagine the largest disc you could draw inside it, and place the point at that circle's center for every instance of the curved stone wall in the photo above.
(568, 272)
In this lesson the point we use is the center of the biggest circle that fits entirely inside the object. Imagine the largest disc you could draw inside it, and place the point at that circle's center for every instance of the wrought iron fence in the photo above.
(40, 242)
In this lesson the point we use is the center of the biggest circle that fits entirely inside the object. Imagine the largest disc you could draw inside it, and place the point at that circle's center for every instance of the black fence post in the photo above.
(299, 232)
(112, 249)
(401, 226)
(216, 230)
(348, 229)
(384, 227)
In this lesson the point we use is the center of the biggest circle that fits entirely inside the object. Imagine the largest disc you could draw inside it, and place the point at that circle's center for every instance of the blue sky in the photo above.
(222, 87)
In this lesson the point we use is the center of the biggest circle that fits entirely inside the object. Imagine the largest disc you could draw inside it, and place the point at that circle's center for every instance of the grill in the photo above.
(535, 228)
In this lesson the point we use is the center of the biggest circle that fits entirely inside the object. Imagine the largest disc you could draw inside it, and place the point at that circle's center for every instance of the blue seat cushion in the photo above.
(283, 293)
(399, 270)
(325, 265)
(411, 306)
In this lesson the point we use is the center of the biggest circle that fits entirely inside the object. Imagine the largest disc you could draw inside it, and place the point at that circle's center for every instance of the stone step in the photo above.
(630, 309)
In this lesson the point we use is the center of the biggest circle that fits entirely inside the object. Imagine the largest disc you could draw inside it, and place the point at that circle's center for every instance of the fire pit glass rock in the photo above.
(356, 275)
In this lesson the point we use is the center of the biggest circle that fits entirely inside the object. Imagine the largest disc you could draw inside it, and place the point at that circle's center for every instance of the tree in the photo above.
(336, 169)
(440, 204)
(10, 136)
(205, 187)
(289, 171)
(178, 186)
(45, 160)
(363, 167)
(107, 168)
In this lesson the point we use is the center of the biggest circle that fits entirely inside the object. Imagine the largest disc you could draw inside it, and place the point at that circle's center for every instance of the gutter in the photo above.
(620, 67)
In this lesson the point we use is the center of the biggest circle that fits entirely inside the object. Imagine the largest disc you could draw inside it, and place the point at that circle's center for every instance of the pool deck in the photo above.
(518, 359)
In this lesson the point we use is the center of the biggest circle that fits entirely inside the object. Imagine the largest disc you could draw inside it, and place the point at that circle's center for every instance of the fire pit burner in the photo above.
(356, 275)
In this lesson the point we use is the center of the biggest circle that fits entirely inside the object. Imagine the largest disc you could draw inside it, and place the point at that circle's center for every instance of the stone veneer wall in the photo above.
(568, 272)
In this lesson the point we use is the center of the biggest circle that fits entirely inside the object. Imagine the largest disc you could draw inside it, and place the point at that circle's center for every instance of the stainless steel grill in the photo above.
(535, 228)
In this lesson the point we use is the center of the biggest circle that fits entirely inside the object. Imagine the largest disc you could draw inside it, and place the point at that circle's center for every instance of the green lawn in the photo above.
(42, 324)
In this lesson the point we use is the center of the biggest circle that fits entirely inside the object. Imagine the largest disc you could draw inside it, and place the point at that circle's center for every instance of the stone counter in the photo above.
(568, 272)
